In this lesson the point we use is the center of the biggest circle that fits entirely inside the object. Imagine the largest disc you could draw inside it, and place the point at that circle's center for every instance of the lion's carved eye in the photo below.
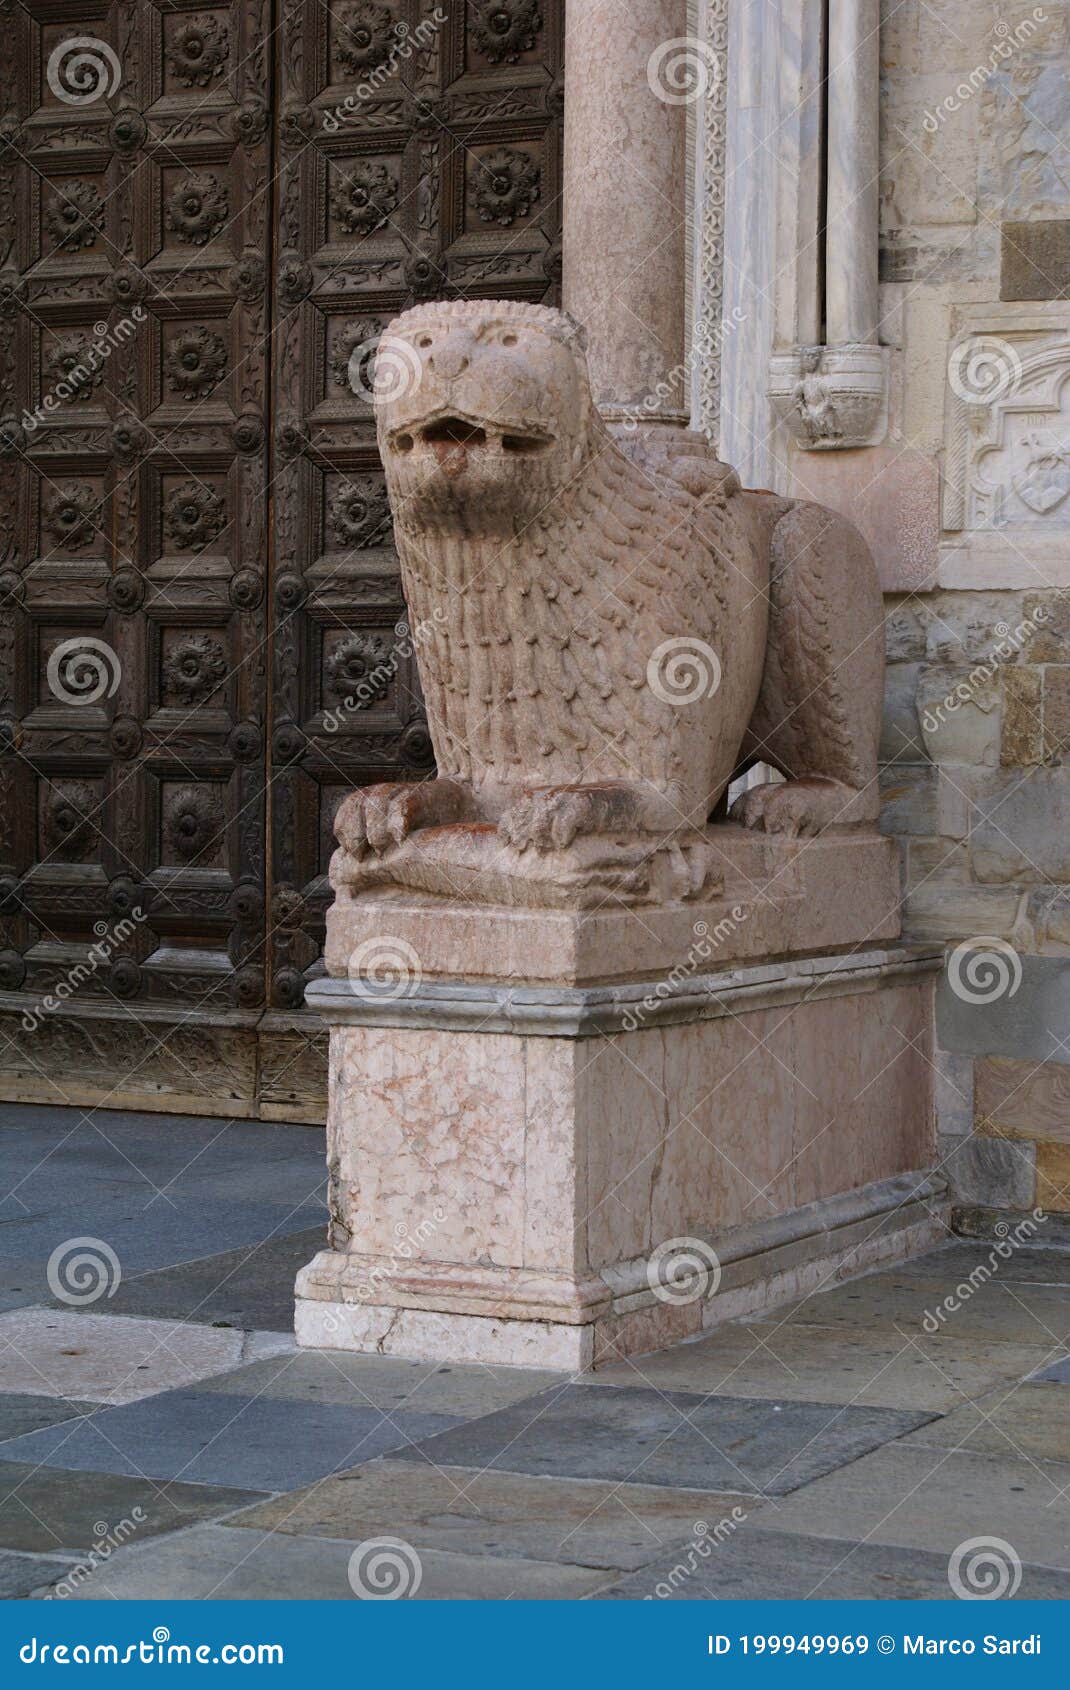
(508, 339)
(426, 340)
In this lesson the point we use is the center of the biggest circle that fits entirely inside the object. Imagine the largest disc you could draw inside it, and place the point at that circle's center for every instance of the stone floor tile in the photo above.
(47, 1510)
(1028, 1265)
(384, 1382)
(1031, 1420)
(20, 1575)
(214, 1562)
(252, 1442)
(880, 1369)
(1058, 1373)
(667, 1438)
(996, 1312)
(757, 1563)
(936, 1499)
(146, 1236)
(588, 1523)
(252, 1287)
(108, 1358)
(24, 1412)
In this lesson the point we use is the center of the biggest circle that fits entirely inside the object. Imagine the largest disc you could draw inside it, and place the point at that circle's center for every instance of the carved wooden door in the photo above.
(199, 601)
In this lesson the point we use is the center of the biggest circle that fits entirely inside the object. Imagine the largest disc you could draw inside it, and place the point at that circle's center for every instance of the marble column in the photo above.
(632, 69)
(851, 308)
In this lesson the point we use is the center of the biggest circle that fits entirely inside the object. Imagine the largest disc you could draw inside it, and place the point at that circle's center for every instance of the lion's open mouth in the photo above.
(452, 439)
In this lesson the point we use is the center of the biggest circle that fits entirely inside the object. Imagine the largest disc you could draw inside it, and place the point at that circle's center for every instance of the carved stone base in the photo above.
(556, 1175)
(831, 397)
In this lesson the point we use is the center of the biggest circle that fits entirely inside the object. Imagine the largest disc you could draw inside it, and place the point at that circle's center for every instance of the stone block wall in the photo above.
(967, 507)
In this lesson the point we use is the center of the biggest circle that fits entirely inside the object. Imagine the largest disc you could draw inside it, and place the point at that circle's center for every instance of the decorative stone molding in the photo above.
(709, 207)
(831, 397)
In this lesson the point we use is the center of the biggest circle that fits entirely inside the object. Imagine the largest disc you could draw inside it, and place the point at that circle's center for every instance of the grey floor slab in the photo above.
(367, 1381)
(22, 1411)
(252, 1287)
(668, 1438)
(1058, 1373)
(216, 1563)
(1029, 1420)
(47, 1510)
(936, 1499)
(879, 1368)
(20, 1575)
(583, 1522)
(252, 1442)
(998, 1311)
(150, 1236)
(956, 1261)
(755, 1564)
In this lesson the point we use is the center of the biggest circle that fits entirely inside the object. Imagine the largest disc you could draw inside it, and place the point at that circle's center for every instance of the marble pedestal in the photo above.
(569, 1136)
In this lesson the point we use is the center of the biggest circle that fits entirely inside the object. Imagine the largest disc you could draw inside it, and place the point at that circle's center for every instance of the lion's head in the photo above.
(484, 412)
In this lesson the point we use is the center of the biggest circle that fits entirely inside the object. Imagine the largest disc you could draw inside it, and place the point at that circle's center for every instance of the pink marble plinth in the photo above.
(523, 1174)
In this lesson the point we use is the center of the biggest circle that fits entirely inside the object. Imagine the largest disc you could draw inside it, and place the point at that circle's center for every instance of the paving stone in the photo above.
(23, 1412)
(754, 1564)
(152, 1235)
(252, 1287)
(107, 1358)
(215, 1563)
(1024, 1265)
(937, 1499)
(202, 1439)
(384, 1382)
(1029, 1420)
(666, 1438)
(588, 1523)
(22, 1574)
(1058, 1373)
(47, 1510)
(829, 1364)
(992, 1312)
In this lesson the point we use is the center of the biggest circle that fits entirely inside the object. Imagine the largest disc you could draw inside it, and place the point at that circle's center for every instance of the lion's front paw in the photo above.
(549, 821)
(376, 817)
(794, 807)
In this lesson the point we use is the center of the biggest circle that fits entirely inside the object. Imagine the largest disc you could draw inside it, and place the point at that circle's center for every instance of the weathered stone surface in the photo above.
(893, 496)
(58, 1509)
(953, 1093)
(1056, 712)
(1035, 260)
(1027, 1420)
(1050, 614)
(1016, 1099)
(1048, 919)
(941, 909)
(962, 627)
(988, 1172)
(1021, 827)
(959, 713)
(902, 740)
(1023, 722)
(1053, 1177)
(1007, 1005)
(908, 800)
(904, 631)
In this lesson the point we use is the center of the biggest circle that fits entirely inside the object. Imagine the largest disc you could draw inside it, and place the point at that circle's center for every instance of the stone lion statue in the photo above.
(609, 629)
